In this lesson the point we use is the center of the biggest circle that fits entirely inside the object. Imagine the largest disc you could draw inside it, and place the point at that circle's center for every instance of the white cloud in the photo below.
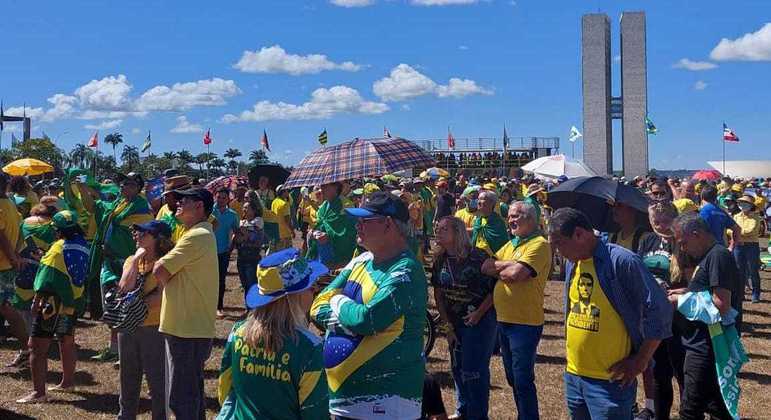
(183, 96)
(405, 82)
(97, 115)
(62, 107)
(276, 60)
(110, 93)
(18, 111)
(687, 64)
(104, 125)
(458, 88)
(755, 46)
(442, 2)
(184, 126)
(324, 103)
(406, 107)
(352, 3)
(463, 47)
(135, 130)
(700, 85)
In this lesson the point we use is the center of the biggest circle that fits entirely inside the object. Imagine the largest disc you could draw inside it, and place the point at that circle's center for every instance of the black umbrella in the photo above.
(595, 196)
(277, 174)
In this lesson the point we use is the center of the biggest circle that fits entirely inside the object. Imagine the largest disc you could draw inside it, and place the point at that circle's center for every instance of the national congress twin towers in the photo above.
(601, 107)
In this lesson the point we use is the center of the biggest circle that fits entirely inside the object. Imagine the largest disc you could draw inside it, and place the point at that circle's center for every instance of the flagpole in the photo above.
(724, 155)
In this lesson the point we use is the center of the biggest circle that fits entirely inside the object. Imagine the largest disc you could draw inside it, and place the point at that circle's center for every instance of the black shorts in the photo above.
(49, 323)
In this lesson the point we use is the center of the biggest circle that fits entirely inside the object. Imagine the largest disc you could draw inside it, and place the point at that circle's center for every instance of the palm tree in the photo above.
(185, 156)
(169, 155)
(233, 166)
(130, 157)
(232, 154)
(114, 139)
(79, 154)
(185, 159)
(258, 157)
(201, 159)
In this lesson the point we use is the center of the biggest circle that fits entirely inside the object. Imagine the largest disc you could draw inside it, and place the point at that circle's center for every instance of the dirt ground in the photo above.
(97, 383)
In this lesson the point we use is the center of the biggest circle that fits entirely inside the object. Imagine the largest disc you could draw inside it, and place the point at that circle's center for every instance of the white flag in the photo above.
(574, 134)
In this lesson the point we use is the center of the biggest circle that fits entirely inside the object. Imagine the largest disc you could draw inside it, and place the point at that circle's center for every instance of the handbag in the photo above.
(126, 311)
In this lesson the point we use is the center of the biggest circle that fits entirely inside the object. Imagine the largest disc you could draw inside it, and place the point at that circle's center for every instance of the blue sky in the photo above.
(295, 67)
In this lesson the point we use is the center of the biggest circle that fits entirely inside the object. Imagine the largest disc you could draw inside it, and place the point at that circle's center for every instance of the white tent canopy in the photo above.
(744, 168)
(550, 167)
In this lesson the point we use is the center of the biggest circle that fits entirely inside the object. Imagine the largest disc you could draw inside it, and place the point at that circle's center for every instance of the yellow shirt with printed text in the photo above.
(596, 337)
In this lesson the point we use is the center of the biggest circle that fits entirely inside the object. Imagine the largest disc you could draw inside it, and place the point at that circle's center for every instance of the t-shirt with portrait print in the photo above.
(463, 284)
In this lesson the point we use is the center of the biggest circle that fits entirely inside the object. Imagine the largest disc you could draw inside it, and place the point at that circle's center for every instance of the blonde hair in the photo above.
(462, 246)
(270, 324)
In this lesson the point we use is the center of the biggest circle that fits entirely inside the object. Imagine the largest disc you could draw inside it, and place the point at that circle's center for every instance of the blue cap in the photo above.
(381, 204)
(154, 227)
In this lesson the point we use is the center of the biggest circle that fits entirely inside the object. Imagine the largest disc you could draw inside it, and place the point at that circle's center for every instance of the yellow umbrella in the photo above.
(27, 166)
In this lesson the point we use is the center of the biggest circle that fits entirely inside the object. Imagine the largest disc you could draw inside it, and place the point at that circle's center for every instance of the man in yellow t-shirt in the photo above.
(281, 210)
(522, 266)
(616, 317)
(747, 252)
(189, 276)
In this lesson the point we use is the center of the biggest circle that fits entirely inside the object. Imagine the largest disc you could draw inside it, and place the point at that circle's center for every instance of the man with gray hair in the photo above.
(374, 314)
(522, 266)
(616, 316)
(488, 230)
(717, 273)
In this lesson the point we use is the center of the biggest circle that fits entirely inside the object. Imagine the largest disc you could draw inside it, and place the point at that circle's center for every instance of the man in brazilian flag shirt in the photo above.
(374, 314)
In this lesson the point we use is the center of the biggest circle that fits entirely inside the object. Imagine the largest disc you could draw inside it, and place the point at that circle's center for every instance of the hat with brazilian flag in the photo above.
(65, 219)
(283, 273)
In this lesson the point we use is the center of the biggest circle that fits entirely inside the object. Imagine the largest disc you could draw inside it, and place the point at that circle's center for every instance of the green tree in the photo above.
(114, 139)
(258, 157)
(80, 155)
(41, 149)
(232, 154)
(130, 158)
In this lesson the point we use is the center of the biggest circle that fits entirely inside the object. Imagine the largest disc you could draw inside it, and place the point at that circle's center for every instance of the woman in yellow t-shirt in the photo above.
(139, 350)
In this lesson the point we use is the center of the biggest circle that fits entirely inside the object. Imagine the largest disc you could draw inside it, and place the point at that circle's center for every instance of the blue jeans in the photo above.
(470, 362)
(748, 260)
(595, 399)
(247, 273)
(519, 344)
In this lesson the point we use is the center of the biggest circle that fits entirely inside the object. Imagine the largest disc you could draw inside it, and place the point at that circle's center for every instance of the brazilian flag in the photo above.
(63, 271)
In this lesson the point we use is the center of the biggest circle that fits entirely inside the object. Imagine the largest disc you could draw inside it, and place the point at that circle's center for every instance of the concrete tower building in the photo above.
(600, 107)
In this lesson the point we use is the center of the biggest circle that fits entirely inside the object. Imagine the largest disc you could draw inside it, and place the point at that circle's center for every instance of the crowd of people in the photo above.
(333, 327)
(482, 160)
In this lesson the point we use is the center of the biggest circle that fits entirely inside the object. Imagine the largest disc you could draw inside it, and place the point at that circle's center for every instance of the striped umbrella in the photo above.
(357, 159)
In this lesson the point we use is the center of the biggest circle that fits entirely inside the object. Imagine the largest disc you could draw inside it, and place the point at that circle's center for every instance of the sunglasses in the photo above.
(365, 220)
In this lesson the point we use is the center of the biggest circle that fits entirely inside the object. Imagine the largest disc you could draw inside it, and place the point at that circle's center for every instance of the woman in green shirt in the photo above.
(272, 366)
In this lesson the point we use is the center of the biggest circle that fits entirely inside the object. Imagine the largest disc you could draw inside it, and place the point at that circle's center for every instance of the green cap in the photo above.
(65, 219)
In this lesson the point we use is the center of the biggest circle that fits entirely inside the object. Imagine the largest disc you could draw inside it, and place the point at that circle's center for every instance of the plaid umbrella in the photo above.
(357, 159)
(229, 182)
